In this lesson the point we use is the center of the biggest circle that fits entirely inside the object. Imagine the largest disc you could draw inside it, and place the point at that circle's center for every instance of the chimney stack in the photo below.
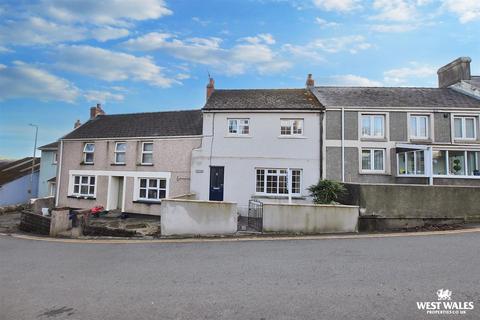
(210, 87)
(310, 82)
(96, 111)
(454, 72)
(77, 124)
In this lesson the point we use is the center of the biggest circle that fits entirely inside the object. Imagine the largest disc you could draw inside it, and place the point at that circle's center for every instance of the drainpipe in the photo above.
(59, 173)
(343, 145)
(321, 155)
(289, 185)
(430, 164)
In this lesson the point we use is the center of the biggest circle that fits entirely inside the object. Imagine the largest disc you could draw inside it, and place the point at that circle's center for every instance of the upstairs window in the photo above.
(419, 127)
(465, 128)
(147, 153)
(373, 126)
(239, 126)
(55, 158)
(291, 127)
(88, 151)
(120, 150)
(152, 189)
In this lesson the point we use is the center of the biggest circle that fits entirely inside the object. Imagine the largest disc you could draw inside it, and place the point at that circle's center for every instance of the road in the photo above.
(370, 278)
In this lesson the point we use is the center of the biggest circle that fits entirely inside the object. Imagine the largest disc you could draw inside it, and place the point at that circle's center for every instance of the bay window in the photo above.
(411, 162)
(465, 128)
(275, 181)
(373, 160)
(373, 126)
(456, 163)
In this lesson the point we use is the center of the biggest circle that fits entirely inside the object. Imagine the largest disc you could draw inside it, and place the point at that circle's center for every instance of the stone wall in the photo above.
(34, 223)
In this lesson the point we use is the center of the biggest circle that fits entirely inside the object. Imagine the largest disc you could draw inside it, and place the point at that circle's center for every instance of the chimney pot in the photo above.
(96, 111)
(310, 82)
(77, 124)
(210, 87)
(455, 71)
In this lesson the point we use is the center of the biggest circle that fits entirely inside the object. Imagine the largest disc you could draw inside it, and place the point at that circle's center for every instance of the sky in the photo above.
(60, 57)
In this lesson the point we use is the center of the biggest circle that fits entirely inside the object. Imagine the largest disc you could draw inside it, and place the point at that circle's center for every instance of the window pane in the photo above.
(152, 183)
(282, 185)
(378, 126)
(413, 126)
(143, 183)
(77, 179)
(89, 147)
(147, 146)
(84, 190)
(439, 163)
(458, 127)
(422, 126)
(272, 184)
(152, 194)
(378, 159)
(470, 128)
(260, 180)
(85, 180)
(296, 181)
(411, 162)
(143, 193)
(232, 126)
(89, 157)
(76, 189)
(121, 146)
(91, 190)
(473, 158)
(402, 169)
(120, 157)
(297, 126)
(420, 158)
(92, 180)
(285, 127)
(163, 184)
(147, 158)
(162, 194)
(456, 162)
(365, 125)
(366, 161)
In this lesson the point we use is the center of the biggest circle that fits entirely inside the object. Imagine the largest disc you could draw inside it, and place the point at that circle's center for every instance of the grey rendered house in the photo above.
(47, 180)
(128, 162)
(400, 135)
(257, 144)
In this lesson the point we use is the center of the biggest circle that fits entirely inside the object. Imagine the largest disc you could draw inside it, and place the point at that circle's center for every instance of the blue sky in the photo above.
(59, 57)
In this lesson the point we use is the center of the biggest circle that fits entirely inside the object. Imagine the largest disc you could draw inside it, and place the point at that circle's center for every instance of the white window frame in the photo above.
(55, 157)
(52, 188)
(147, 188)
(416, 136)
(239, 126)
(371, 134)
(464, 126)
(85, 152)
(447, 165)
(290, 124)
(146, 152)
(372, 160)
(278, 174)
(404, 154)
(116, 152)
(80, 184)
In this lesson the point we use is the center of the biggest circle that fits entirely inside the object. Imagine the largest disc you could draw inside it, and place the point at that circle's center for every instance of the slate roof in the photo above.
(392, 97)
(474, 81)
(50, 146)
(148, 124)
(17, 169)
(262, 99)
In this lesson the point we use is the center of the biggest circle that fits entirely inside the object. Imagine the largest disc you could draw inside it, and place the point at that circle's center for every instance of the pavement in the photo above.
(336, 278)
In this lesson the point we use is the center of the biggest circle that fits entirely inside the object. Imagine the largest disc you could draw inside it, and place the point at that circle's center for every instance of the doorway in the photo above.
(115, 193)
(216, 183)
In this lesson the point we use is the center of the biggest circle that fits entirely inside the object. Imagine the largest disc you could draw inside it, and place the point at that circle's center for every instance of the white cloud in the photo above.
(337, 5)
(250, 52)
(466, 10)
(395, 10)
(317, 47)
(354, 81)
(5, 50)
(35, 30)
(108, 33)
(108, 12)
(408, 75)
(394, 27)
(22, 80)
(201, 22)
(102, 96)
(325, 24)
(110, 65)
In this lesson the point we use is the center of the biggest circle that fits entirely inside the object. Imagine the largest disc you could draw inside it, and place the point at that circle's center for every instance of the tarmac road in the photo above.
(369, 278)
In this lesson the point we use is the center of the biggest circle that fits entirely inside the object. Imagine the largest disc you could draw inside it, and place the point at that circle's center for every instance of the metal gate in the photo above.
(255, 215)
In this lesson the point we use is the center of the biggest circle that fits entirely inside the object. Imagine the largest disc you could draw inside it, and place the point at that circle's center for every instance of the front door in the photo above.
(216, 183)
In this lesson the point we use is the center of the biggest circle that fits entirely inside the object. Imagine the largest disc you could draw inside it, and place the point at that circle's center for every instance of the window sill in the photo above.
(82, 197)
(411, 176)
(238, 136)
(465, 141)
(144, 164)
(420, 140)
(292, 137)
(264, 196)
(148, 201)
(118, 164)
(86, 163)
(378, 173)
(456, 177)
(368, 139)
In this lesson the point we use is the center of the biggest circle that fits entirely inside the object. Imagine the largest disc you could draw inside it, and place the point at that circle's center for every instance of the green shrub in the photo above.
(327, 191)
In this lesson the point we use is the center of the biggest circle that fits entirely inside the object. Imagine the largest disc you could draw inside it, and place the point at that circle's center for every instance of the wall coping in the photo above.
(311, 205)
(198, 201)
(410, 185)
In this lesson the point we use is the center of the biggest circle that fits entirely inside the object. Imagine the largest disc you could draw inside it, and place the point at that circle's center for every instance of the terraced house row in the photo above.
(275, 143)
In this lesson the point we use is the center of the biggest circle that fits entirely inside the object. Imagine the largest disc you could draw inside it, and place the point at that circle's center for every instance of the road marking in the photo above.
(246, 238)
